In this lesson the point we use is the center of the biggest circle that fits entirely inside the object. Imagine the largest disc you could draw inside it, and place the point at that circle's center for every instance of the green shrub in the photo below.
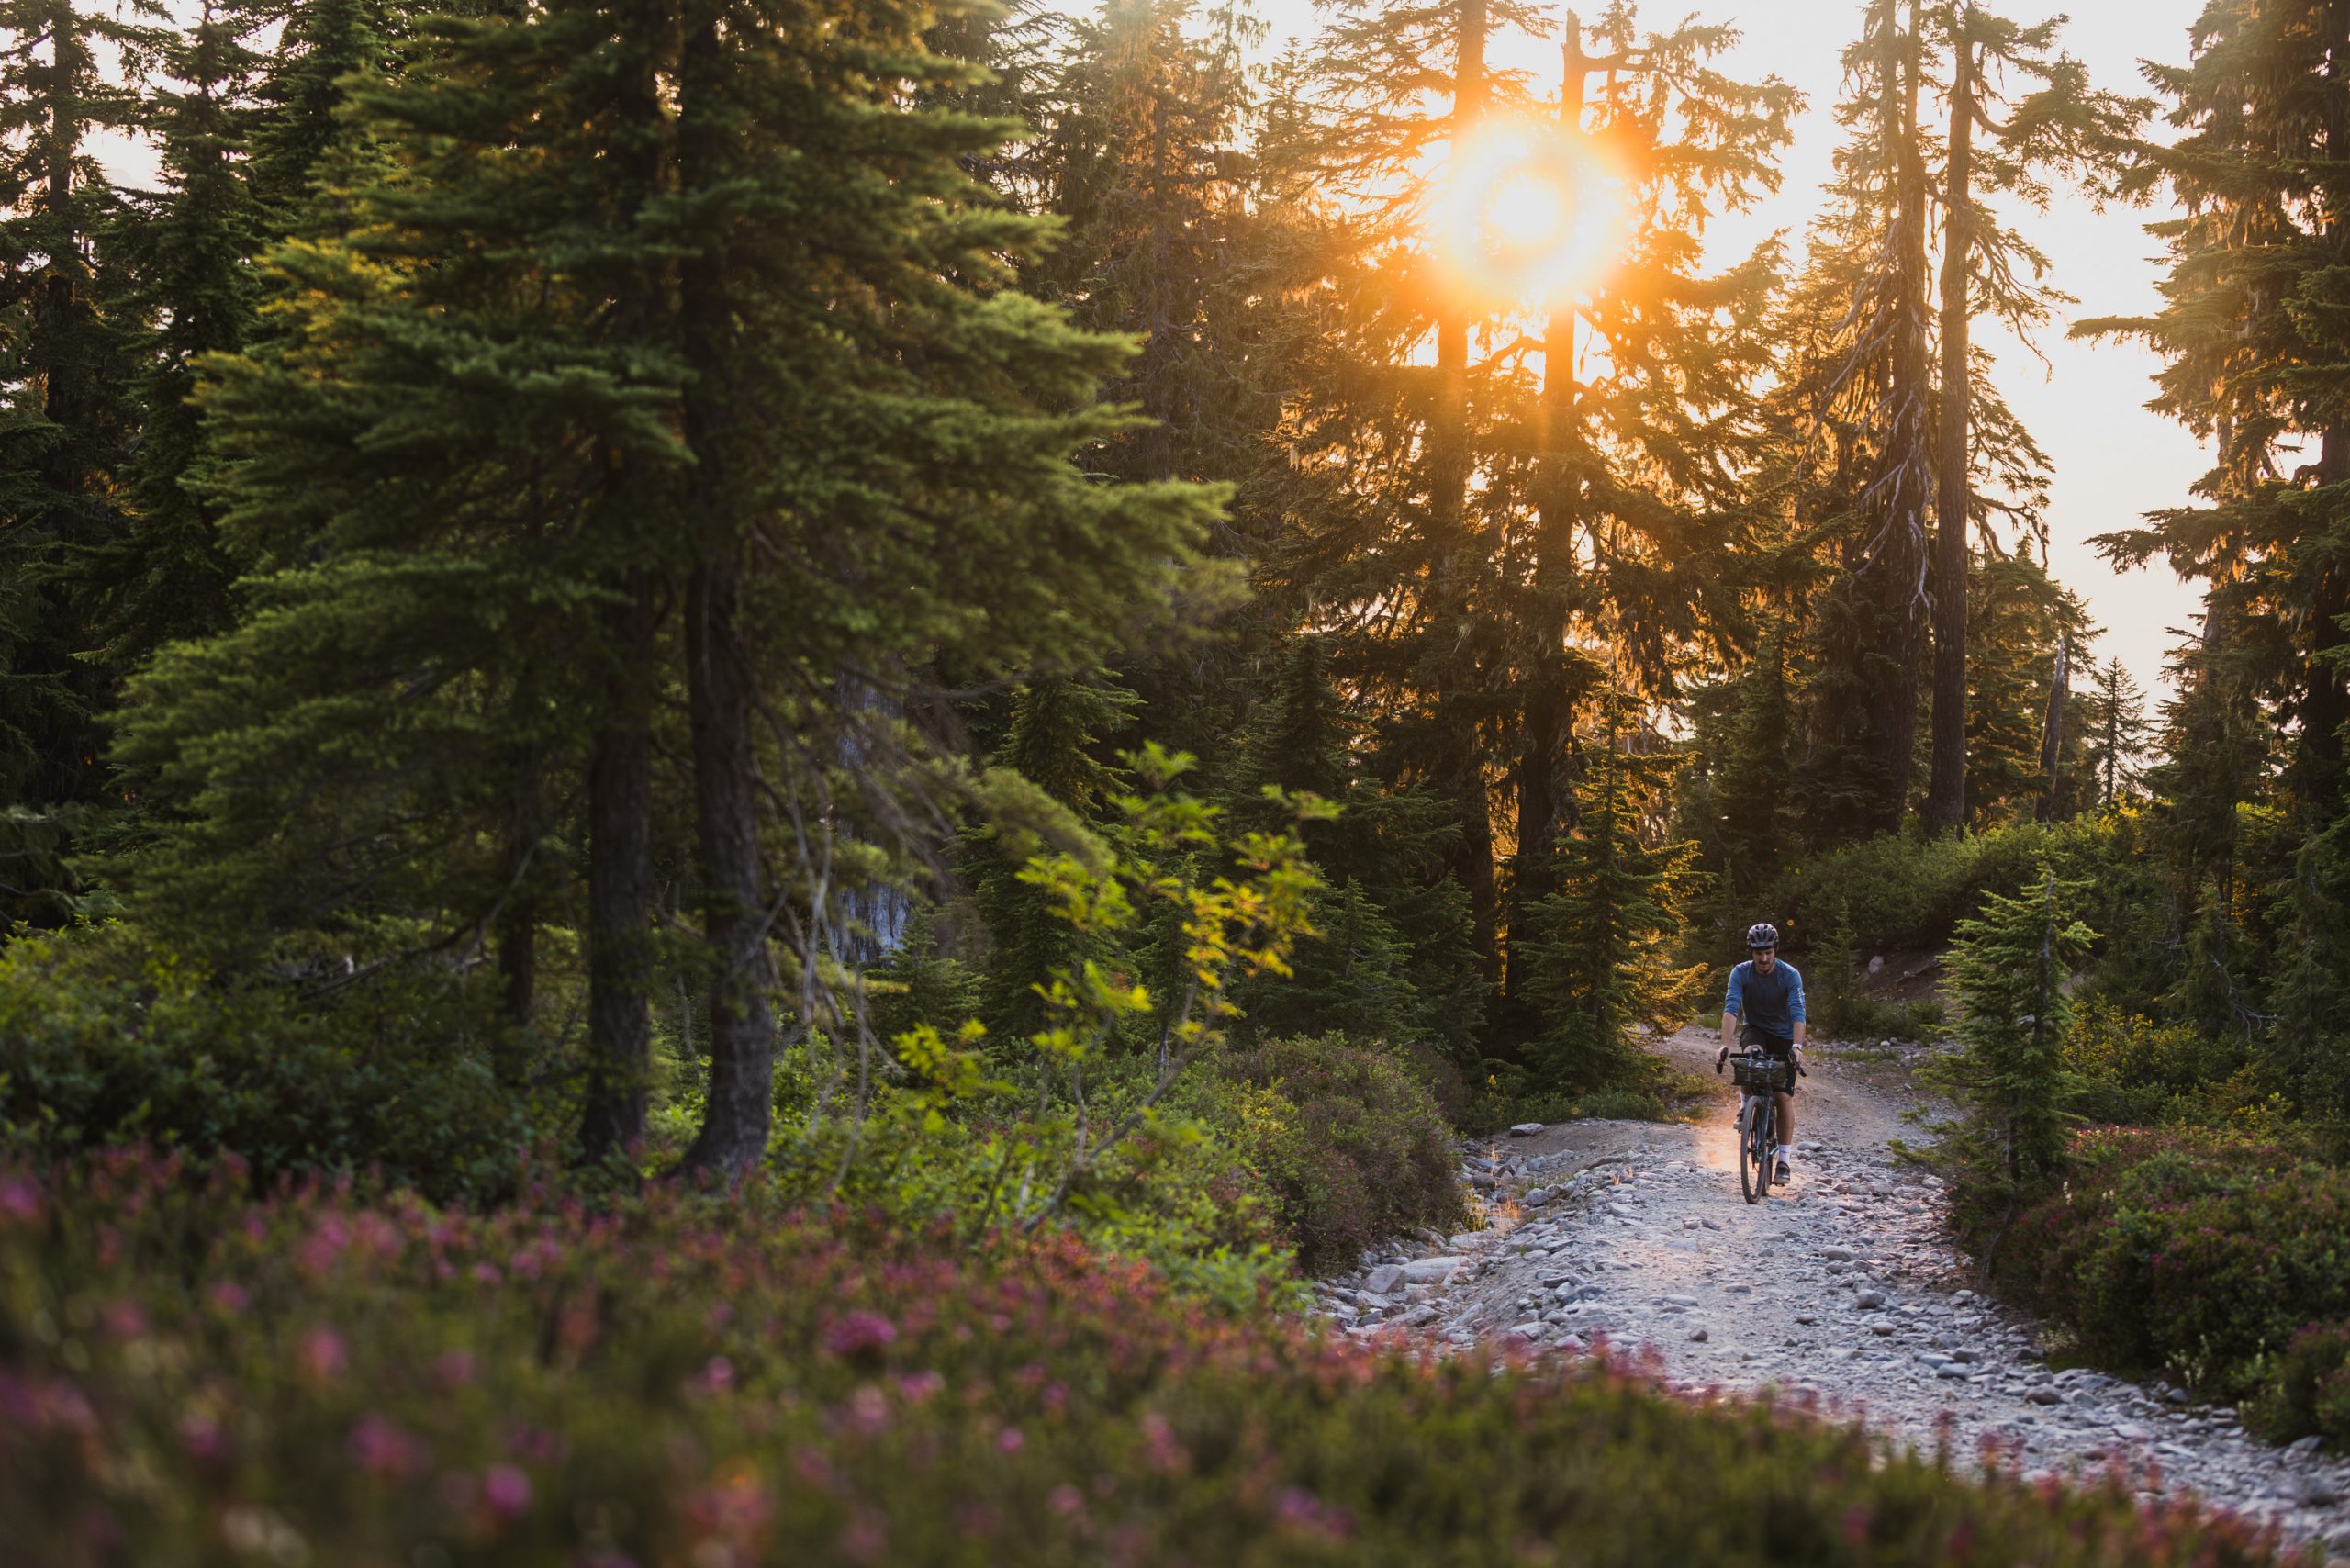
(1361, 1152)
(103, 1041)
(2198, 1252)
(1653, 1090)
(190, 1376)
(2133, 1069)
(2306, 1387)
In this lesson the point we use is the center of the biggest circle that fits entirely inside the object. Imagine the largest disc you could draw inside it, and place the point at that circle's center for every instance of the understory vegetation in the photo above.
(193, 1375)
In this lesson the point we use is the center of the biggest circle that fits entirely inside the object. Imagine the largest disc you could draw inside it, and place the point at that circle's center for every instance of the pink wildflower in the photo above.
(323, 1355)
(507, 1490)
(861, 1334)
(203, 1439)
(19, 1200)
(381, 1446)
(717, 1376)
(1010, 1440)
(1067, 1499)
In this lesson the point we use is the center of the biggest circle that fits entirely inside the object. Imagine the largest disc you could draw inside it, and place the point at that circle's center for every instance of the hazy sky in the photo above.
(2113, 460)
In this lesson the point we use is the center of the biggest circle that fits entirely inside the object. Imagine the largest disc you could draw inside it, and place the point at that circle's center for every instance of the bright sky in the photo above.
(2113, 459)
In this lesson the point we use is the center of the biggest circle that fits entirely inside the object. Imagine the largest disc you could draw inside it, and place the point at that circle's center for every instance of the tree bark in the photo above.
(620, 888)
(734, 1135)
(1545, 775)
(1945, 804)
(719, 679)
(2052, 734)
(1460, 765)
(1899, 563)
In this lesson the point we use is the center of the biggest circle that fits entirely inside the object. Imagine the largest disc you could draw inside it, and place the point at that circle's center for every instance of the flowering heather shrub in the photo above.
(190, 1376)
(2201, 1253)
(1364, 1153)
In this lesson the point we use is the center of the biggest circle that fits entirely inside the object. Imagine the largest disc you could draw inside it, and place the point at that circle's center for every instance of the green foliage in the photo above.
(2307, 1388)
(1600, 954)
(197, 1375)
(104, 1042)
(2203, 1253)
(2010, 970)
(1361, 1152)
(2132, 1068)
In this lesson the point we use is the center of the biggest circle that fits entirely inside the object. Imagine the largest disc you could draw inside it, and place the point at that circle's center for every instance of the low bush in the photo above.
(103, 1041)
(2133, 1070)
(1653, 1090)
(2203, 1253)
(1357, 1152)
(188, 1375)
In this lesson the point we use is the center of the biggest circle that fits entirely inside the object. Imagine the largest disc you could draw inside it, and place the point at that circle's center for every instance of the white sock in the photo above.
(1786, 1152)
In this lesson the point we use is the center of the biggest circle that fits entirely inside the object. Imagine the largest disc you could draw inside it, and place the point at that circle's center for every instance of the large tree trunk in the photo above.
(1945, 806)
(1545, 765)
(1906, 471)
(2052, 733)
(734, 1134)
(719, 679)
(620, 888)
(1453, 654)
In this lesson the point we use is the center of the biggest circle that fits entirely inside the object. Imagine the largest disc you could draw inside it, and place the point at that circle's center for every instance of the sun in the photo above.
(1524, 213)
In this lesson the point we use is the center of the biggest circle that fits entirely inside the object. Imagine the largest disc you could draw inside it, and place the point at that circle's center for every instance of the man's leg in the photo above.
(1787, 1119)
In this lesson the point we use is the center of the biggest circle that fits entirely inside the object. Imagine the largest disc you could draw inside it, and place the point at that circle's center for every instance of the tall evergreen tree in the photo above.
(2061, 125)
(68, 329)
(861, 391)
(2115, 721)
(2252, 333)
(167, 578)
(1643, 463)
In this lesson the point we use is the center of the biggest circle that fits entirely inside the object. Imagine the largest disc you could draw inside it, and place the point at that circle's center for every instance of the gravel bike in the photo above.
(1760, 1078)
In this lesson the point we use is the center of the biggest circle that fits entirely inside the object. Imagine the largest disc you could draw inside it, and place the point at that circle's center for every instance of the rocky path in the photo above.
(1840, 1288)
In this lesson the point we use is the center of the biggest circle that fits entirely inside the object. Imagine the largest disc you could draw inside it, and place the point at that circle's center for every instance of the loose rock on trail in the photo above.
(1842, 1287)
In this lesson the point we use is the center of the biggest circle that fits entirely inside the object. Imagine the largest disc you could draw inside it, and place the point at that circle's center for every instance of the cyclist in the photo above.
(1765, 1008)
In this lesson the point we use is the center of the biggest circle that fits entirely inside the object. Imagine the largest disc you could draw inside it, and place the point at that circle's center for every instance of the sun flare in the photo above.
(1524, 213)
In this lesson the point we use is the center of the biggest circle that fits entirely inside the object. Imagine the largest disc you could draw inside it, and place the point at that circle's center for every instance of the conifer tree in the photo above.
(2062, 125)
(2116, 723)
(1643, 465)
(451, 477)
(2252, 333)
(865, 403)
(167, 578)
(1601, 953)
(68, 71)
(2011, 967)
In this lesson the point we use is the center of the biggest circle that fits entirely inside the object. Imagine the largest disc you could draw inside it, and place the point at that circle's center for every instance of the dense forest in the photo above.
(1062, 631)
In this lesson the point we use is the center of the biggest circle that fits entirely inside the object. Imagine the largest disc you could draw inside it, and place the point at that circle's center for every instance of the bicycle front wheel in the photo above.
(1754, 1174)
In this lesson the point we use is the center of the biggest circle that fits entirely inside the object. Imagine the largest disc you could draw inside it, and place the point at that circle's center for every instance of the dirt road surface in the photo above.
(1841, 1288)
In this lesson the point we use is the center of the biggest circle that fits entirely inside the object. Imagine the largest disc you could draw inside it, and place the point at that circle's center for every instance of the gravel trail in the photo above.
(1841, 1288)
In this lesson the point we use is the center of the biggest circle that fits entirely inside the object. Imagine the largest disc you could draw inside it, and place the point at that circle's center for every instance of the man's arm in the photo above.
(1794, 1005)
(1731, 1006)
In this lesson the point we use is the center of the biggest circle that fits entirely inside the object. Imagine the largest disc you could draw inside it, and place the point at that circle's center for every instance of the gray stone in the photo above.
(1697, 1335)
(1525, 1129)
(1837, 1254)
(1538, 1197)
(1384, 1278)
(2301, 1445)
(2045, 1395)
(1530, 1329)
(1869, 1301)
(1431, 1271)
